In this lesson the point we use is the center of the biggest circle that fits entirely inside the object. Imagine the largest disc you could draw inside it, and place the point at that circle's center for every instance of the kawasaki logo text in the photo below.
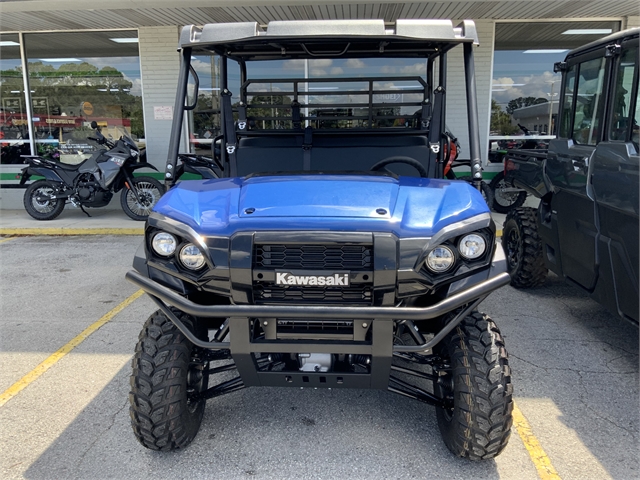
(337, 279)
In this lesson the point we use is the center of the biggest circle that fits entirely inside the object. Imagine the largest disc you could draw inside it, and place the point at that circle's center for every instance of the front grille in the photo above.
(355, 294)
(314, 257)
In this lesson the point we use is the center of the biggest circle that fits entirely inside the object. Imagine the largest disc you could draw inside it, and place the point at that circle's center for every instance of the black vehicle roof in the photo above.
(328, 38)
(613, 38)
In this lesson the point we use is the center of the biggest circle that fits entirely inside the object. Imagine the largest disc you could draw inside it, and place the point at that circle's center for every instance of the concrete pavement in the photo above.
(574, 370)
(70, 222)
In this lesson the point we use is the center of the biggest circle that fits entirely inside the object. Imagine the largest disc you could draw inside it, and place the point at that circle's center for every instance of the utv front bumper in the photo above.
(371, 332)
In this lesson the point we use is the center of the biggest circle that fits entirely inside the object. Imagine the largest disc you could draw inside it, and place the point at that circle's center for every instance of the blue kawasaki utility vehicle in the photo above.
(331, 252)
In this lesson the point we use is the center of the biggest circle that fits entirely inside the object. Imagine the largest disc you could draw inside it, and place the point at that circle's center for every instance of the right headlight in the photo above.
(164, 244)
(472, 246)
(440, 259)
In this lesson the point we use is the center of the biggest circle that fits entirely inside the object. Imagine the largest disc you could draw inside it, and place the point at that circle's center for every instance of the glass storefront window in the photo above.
(13, 124)
(525, 90)
(76, 78)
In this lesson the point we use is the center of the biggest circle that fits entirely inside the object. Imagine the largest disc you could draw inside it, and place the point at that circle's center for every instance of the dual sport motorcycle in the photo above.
(93, 182)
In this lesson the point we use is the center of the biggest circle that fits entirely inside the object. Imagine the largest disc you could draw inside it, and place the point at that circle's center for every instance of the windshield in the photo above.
(341, 93)
(119, 132)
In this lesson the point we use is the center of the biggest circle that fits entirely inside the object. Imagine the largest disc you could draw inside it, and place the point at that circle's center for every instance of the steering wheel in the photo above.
(401, 159)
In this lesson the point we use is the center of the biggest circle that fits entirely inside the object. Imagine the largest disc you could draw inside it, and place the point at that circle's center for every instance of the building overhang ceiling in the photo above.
(44, 15)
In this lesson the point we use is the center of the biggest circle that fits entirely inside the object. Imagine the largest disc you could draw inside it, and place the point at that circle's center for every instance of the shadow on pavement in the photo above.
(264, 433)
(576, 362)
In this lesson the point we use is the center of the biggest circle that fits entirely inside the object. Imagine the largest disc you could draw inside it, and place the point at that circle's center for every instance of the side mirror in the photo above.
(94, 124)
(216, 147)
(192, 89)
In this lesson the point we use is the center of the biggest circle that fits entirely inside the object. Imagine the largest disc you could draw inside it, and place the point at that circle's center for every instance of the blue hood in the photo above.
(407, 206)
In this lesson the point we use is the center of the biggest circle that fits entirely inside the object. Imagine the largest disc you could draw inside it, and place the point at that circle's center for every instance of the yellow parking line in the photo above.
(2, 240)
(538, 456)
(498, 233)
(21, 384)
(72, 231)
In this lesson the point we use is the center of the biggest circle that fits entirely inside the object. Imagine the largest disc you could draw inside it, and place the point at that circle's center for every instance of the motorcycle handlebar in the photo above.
(102, 140)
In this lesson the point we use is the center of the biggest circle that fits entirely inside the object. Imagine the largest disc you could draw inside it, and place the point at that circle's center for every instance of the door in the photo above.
(615, 182)
(568, 165)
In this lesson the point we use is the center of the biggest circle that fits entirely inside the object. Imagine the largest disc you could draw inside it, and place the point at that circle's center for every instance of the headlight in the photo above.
(440, 259)
(191, 257)
(164, 244)
(472, 246)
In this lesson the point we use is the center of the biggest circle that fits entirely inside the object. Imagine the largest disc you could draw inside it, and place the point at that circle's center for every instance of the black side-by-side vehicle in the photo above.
(586, 227)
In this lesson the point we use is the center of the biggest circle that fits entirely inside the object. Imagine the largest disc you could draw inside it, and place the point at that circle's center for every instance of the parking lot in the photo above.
(575, 377)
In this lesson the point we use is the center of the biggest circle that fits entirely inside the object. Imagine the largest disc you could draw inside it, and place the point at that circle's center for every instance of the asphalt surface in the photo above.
(575, 377)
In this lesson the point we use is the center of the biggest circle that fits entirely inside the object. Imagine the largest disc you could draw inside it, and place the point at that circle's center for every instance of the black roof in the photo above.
(613, 38)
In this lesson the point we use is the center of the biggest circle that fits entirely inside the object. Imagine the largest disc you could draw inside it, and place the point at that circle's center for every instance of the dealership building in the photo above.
(65, 63)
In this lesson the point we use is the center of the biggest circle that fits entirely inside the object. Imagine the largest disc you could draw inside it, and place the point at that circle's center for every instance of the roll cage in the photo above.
(294, 40)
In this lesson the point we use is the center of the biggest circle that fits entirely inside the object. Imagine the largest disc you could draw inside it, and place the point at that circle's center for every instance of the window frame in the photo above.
(606, 77)
(625, 45)
(576, 62)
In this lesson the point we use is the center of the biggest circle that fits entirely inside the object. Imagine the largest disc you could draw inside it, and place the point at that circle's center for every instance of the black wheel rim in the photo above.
(443, 389)
(513, 248)
(195, 381)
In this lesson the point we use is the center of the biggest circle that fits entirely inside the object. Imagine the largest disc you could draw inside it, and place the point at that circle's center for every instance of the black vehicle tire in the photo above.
(487, 194)
(149, 191)
(39, 209)
(504, 202)
(523, 248)
(476, 424)
(166, 371)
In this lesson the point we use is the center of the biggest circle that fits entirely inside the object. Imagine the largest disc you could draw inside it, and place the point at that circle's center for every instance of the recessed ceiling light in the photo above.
(588, 31)
(548, 50)
(124, 40)
(59, 60)
(9, 43)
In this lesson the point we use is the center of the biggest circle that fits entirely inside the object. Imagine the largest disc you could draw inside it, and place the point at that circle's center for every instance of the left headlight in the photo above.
(191, 257)
(472, 246)
(164, 244)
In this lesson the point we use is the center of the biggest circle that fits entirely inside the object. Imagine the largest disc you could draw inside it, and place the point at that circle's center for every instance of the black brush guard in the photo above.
(381, 349)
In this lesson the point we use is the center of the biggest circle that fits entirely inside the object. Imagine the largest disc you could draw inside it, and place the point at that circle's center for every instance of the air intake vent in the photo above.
(314, 257)
(359, 295)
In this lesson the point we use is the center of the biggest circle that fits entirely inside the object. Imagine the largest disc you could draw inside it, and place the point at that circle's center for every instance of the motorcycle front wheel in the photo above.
(39, 202)
(149, 191)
